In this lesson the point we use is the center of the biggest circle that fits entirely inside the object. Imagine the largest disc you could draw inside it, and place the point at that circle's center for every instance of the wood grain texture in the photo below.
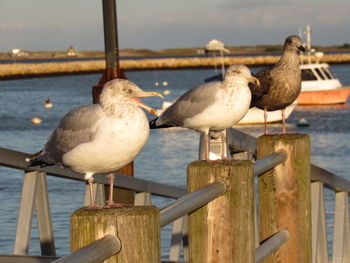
(284, 196)
(223, 230)
(137, 227)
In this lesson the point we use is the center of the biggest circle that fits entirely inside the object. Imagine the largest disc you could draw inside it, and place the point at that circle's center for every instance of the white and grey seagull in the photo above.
(100, 138)
(213, 106)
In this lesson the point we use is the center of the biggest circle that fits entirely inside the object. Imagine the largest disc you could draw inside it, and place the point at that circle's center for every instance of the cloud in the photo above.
(236, 22)
(239, 22)
(36, 36)
(15, 26)
(272, 13)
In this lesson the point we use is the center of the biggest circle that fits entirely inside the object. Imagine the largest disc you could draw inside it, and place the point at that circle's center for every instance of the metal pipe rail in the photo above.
(271, 244)
(187, 204)
(95, 252)
(269, 162)
(191, 201)
(15, 159)
(330, 180)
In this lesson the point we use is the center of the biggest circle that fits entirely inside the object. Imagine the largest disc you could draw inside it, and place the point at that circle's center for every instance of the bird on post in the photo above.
(100, 138)
(280, 85)
(213, 106)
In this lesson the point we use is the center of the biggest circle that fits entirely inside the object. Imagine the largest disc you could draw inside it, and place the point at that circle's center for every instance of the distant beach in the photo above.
(17, 69)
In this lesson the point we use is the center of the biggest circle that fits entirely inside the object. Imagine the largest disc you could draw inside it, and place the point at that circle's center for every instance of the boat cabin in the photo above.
(318, 77)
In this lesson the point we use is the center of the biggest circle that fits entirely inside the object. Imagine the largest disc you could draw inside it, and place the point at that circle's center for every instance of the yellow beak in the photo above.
(254, 80)
(145, 94)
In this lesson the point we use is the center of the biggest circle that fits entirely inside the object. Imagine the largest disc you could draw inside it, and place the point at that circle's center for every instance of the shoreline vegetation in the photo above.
(87, 62)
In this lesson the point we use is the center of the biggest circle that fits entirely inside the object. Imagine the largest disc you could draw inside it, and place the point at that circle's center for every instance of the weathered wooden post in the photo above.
(223, 230)
(284, 196)
(137, 228)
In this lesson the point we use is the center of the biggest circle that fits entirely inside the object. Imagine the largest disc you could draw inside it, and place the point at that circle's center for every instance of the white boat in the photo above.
(319, 84)
(256, 116)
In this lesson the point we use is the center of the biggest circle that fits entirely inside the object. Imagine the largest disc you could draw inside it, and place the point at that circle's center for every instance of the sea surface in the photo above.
(164, 158)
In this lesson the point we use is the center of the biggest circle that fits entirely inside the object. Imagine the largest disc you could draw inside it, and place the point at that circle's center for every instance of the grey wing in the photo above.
(189, 104)
(76, 127)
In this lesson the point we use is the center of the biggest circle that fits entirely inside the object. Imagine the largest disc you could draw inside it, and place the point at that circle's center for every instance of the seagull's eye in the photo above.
(127, 90)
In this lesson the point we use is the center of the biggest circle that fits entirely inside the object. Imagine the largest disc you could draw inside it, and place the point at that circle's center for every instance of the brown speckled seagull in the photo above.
(281, 84)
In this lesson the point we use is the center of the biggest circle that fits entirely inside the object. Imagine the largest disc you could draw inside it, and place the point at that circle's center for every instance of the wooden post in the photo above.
(284, 197)
(137, 228)
(223, 230)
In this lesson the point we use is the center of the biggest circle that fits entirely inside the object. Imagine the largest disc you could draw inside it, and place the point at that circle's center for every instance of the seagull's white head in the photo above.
(122, 91)
(239, 73)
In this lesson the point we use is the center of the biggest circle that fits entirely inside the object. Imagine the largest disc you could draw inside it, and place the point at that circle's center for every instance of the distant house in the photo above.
(16, 52)
(216, 46)
(71, 52)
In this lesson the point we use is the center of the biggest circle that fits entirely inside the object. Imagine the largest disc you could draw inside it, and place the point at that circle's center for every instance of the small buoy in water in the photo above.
(302, 122)
(166, 92)
(35, 120)
(156, 83)
(48, 104)
(165, 83)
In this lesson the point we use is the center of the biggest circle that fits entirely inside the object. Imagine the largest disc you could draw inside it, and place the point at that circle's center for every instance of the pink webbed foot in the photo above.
(92, 207)
(115, 205)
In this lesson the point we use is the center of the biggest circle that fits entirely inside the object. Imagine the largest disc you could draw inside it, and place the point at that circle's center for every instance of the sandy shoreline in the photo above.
(24, 70)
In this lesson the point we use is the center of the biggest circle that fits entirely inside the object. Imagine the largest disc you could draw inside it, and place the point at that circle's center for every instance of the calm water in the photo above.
(164, 158)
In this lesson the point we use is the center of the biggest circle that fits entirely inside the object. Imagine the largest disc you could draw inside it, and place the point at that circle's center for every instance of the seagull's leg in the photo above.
(206, 143)
(284, 131)
(110, 202)
(265, 121)
(223, 145)
(92, 205)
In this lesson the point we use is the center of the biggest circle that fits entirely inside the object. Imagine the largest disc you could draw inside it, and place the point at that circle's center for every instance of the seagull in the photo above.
(281, 84)
(213, 106)
(100, 138)
(48, 104)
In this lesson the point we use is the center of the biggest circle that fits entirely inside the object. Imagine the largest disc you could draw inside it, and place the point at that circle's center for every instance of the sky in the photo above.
(50, 25)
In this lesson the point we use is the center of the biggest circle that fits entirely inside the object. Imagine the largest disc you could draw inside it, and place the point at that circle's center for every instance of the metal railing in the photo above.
(320, 179)
(97, 251)
(35, 191)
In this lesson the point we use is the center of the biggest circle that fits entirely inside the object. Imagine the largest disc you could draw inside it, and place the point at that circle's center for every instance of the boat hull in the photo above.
(336, 96)
(256, 116)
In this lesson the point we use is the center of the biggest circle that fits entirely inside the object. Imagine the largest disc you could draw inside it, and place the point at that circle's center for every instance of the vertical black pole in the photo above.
(111, 37)
(111, 48)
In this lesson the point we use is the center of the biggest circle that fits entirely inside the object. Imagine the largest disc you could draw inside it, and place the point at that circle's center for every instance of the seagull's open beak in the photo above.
(147, 94)
(144, 106)
(254, 80)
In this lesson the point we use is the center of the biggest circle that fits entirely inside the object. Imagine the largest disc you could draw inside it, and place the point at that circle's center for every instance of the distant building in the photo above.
(71, 52)
(216, 46)
(16, 52)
